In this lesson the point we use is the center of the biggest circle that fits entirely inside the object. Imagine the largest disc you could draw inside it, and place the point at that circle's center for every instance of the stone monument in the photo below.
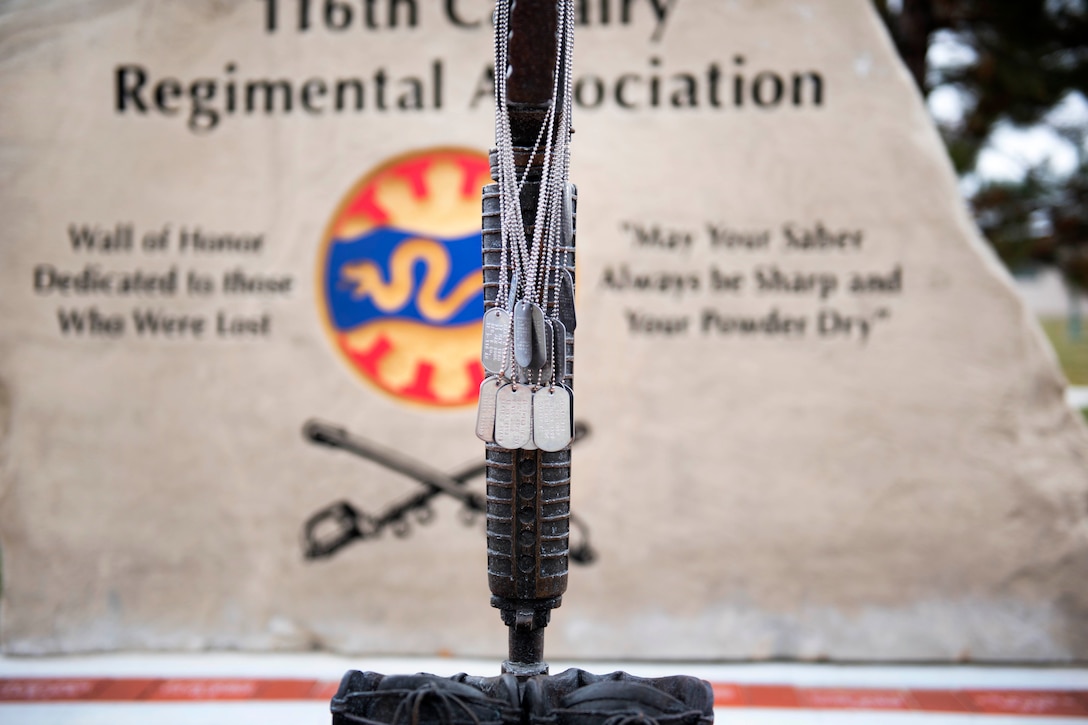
(816, 406)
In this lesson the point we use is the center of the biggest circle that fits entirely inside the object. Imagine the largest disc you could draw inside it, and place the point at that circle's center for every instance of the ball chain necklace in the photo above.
(524, 402)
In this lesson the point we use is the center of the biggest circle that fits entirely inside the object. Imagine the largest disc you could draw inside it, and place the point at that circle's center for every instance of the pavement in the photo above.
(275, 689)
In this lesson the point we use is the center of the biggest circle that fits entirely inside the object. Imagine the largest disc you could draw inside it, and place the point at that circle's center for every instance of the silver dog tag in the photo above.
(512, 293)
(566, 301)
(485, 411)
(513, 416)
(543, 375)
(541, 339)
(553, 424)
(568, 215)
(496, 340)
(559, 350)
(523, 333)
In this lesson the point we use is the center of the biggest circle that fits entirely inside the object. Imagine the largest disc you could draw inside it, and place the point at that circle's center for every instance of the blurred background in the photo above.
(1005, 83)
(898, 556)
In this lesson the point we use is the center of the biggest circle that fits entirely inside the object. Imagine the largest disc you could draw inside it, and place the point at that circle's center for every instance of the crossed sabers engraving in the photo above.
(335, 526)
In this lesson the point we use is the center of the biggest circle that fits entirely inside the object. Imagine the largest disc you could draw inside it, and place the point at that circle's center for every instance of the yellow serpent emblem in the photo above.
(395, 294)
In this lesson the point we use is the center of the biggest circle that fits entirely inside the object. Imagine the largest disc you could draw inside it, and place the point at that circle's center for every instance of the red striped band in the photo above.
(726, 695)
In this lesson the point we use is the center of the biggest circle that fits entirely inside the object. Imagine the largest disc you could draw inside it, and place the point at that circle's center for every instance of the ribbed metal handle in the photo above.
(528, 491)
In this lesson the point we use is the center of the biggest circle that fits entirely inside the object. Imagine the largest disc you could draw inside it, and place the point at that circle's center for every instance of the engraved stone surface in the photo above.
(822, 424)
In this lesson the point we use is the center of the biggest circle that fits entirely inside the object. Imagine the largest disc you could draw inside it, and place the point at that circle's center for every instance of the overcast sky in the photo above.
(1011, 151)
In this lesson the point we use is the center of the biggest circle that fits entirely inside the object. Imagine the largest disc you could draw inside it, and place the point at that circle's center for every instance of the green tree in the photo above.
(1020, 60)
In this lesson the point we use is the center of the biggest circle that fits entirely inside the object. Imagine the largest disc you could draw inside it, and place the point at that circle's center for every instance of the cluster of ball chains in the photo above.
(524, 402)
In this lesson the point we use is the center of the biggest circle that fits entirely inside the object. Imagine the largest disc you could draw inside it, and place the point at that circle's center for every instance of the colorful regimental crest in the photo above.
(400, 279)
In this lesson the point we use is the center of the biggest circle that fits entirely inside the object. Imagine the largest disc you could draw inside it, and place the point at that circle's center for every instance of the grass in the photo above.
(1073, 354)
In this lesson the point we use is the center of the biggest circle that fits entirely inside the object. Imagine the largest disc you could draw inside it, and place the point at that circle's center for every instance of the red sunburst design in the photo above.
(430, 377)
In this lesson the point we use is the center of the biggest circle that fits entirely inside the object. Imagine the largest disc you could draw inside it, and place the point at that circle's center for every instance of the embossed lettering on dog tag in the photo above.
(553, 427)
(513, 416)
(485, 411)
(566, 301)
(496, 340)
(523, 333)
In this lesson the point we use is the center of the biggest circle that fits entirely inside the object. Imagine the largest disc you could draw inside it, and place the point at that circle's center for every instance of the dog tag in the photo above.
(568, 215)
(485, 411)
(496, 340)
(559, 350)
(513, 416)
(553, 426)
(566, 301)
(542, 375)
(523, 333)
(529, 445)
(512, 293)
(541, 338)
